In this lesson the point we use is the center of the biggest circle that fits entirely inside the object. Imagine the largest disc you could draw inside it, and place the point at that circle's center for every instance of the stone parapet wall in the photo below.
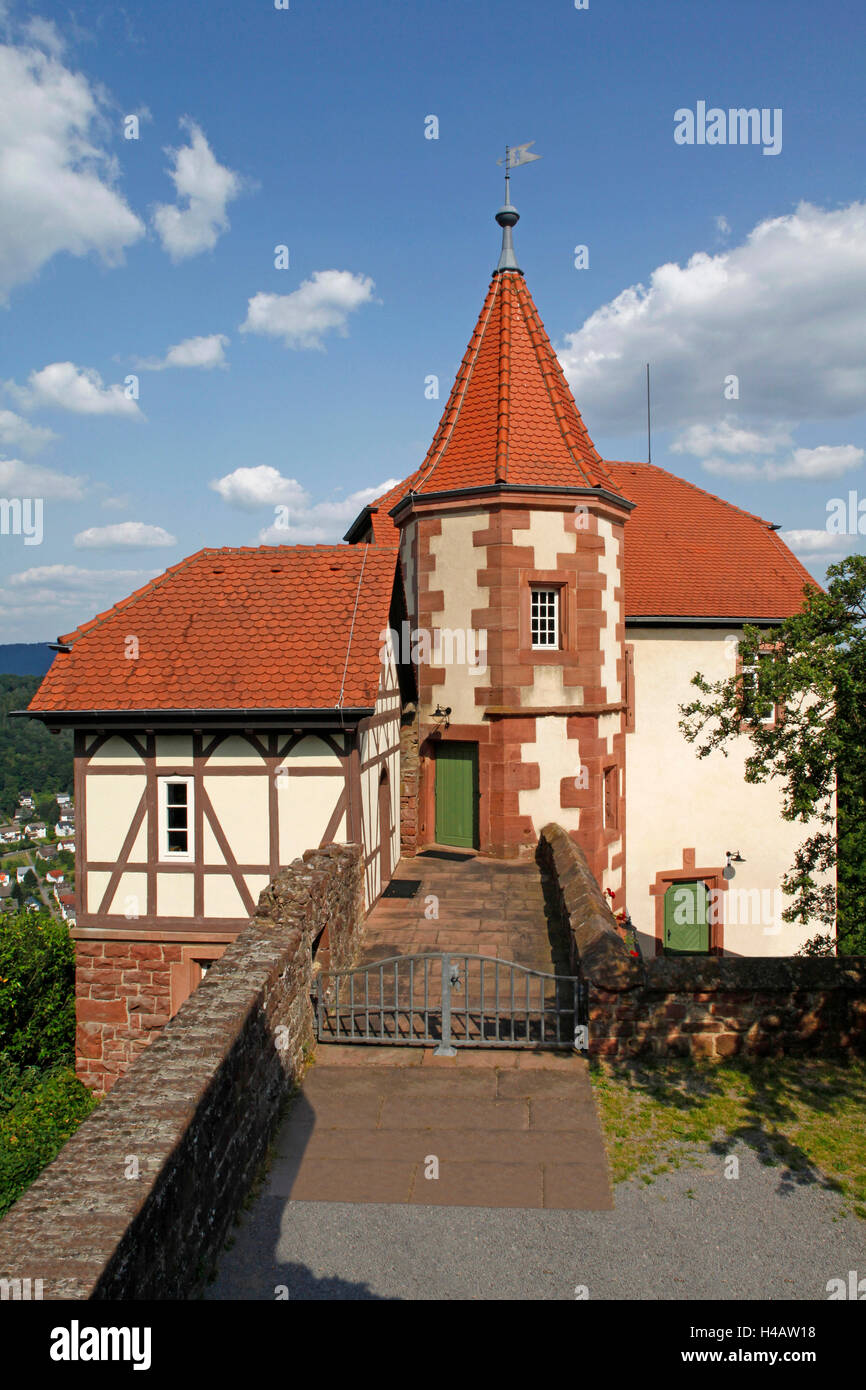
(721, 1007)
(700, 1006)
(140, 1200)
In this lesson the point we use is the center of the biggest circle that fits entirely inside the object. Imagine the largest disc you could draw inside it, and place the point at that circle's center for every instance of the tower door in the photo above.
(457, 795)
(687, 928)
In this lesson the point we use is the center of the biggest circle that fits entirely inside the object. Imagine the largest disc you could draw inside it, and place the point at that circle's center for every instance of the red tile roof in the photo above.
(260, 628)
(688, 553)
(510, 416)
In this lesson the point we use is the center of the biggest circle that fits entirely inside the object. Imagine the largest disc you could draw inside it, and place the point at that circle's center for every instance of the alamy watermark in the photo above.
(444, 646)
(736, 126)
(847, 517)
(22, 516)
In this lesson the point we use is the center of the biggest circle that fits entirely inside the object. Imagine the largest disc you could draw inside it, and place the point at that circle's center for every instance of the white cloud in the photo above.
(728, 437)
(43, 33)
(322, 523)
(205, 188)
(261, 486)
(63, 386)
(320, 305)
(37, 604)
(205, 352)
(810, 542)
(782, 312)
(115, 504)
(825, 461)
(124, 535)
(17, 433)
(57, 180)
(723, 226)
(19, 479)
(309, 522)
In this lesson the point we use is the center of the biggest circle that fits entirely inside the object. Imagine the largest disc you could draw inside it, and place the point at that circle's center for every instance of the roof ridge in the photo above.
(503, 404)
(478, 338)
(697, 488)
(537, 337)
(136, 594)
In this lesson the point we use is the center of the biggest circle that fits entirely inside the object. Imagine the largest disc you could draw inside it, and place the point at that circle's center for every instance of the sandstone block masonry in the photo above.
(139, 1202)
(712, 1007)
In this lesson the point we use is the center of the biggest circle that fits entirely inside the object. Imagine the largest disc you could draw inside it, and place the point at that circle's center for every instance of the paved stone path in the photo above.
(485, 906)
(486, 1128)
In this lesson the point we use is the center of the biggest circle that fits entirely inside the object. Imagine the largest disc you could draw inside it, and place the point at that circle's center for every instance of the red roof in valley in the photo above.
(260, 628)
(690, 554)
(510, 417)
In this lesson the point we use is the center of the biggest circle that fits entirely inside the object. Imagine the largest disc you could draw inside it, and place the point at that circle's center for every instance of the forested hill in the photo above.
(25, 658)
(31, 759)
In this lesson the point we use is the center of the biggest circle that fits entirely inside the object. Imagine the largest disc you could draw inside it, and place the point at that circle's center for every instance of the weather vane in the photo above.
(514, 155)
(507, 216)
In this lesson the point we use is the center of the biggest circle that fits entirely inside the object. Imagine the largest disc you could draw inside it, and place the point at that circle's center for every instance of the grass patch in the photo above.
(803, 1113)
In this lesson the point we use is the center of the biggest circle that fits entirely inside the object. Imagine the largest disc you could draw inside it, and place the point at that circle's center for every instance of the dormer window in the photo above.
(544, 618)
(175, 818)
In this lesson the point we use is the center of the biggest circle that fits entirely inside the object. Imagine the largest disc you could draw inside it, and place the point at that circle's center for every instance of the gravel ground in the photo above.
(690, 1234)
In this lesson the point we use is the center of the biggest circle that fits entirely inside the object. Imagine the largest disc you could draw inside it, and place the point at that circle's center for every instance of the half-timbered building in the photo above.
(506, 640)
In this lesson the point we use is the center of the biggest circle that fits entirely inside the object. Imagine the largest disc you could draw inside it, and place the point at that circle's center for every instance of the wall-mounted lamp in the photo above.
(733, 858)
(440, 713)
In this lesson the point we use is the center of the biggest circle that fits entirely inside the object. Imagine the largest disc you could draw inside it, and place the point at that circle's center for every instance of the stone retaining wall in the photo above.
(139, 1202)
(702, 1006)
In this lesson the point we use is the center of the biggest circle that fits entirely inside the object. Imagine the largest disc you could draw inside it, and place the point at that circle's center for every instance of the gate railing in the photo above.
(453, 999)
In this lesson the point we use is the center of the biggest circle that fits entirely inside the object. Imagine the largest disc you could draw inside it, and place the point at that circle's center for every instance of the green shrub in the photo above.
(37, 991)
(39, 1111)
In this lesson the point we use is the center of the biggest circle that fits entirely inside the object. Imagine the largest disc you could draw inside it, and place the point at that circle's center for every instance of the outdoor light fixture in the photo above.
(440, 713)
(733, 858)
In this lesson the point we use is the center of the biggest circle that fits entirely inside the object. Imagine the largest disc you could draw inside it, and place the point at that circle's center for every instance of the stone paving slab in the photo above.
(503, 1135)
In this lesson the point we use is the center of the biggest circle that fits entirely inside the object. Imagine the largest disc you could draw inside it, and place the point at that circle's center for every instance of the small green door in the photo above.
(687, 928)
(457, 795)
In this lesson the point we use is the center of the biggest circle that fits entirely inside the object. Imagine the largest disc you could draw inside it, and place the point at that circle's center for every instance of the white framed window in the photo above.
(752, 691)
(175, 818)
(544, 617)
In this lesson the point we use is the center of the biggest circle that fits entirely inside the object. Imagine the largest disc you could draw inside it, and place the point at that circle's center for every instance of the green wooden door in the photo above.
(457, 795)
(687, 928)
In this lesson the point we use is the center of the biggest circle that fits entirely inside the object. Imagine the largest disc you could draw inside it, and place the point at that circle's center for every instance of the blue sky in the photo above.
(304, 386)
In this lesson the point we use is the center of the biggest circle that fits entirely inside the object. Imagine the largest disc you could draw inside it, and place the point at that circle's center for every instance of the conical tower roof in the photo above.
(510, 417)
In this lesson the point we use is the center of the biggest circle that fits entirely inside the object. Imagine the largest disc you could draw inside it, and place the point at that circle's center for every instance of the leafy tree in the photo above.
(813, 666)
(31, 759)
(39, 1111)
(37, 1004)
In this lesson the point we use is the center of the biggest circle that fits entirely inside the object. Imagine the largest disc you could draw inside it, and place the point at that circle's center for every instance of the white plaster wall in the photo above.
(457, 562)
(548, 537)
(233, 750)
(313, 752)
(304, 807)
(97, 882)
(610, 649)
(241, 806)
(174, 895)
(115, 750)
(221, 897)
(110, 804)
(131, 897)
(173, 749)
(676, 800)
(557, 757)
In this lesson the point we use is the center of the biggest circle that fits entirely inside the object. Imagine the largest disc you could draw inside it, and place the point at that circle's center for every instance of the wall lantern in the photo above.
(733, 858)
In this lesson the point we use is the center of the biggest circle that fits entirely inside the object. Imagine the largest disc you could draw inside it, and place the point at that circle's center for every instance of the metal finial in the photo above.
(508, 216)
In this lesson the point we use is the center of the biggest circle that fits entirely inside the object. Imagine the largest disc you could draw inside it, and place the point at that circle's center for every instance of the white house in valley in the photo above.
(504, 641)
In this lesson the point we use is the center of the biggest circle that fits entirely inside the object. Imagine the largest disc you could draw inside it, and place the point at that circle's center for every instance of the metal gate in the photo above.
(454, 1000)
